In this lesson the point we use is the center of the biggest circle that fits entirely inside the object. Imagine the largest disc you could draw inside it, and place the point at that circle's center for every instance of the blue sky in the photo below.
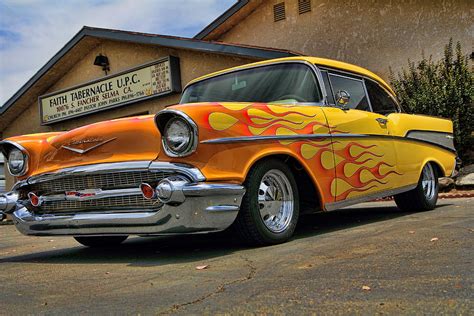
(32, 31)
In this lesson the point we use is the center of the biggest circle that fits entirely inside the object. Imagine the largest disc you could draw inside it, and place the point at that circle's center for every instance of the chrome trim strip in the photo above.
(194, 174)
(100, 194)
(83, 151)
(90, 169)
(241, 139)
(437, 138)
(222, 208)
(192, 124)
(206, 189)
(331, 206)
(22, 149)
(191, 172)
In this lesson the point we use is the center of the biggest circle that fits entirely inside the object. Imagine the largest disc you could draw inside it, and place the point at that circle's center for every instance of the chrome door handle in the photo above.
(381, 121)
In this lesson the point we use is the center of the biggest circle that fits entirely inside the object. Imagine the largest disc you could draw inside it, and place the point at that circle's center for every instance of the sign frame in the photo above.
(175, 82)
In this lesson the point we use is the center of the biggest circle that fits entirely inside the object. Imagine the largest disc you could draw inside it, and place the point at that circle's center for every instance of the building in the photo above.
(373, 34)
(103, 74)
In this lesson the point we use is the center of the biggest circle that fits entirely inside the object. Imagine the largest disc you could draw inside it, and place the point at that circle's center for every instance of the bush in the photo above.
(443, 88)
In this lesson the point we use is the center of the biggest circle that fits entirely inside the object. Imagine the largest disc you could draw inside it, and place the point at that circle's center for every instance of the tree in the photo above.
(443, 88)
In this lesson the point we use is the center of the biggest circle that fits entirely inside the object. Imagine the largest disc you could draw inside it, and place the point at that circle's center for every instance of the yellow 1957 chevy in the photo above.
(251, 148)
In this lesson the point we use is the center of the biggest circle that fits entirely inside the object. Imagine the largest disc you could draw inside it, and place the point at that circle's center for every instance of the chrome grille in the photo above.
(131, 202)
(129, 179)
(103, 181)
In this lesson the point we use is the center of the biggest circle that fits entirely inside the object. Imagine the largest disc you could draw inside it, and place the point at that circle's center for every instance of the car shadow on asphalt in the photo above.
(156, 251)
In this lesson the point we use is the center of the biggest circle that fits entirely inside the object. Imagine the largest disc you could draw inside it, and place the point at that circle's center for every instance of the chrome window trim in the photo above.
(192, 124)
(313, 67)
(330, 86)
(26, 156)
(368, 97)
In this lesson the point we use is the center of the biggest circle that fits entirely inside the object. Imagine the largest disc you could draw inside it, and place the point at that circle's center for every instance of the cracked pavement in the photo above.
(321, 271)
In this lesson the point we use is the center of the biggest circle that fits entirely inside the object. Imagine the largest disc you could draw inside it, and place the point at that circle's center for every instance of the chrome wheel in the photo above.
(276, 201)
(428, 181)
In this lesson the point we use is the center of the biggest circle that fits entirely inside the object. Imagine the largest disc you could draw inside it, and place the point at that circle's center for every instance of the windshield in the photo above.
(289, 82)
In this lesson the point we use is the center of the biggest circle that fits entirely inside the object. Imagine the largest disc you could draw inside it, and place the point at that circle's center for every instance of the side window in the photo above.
(380, 100)
(355, 89)
(325, 76)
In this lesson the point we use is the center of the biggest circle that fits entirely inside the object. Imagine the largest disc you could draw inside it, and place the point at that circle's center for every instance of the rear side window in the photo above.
(355, 89)
(380, 100)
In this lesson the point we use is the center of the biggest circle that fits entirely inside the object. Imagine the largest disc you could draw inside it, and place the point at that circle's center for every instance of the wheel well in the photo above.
(439, 170)
(310, 200)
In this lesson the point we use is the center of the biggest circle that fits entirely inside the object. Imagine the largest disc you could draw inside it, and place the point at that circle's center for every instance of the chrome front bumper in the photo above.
(205, 207)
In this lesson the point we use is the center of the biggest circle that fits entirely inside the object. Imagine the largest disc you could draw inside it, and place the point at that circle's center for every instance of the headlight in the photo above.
(178, 137)
(16, 162)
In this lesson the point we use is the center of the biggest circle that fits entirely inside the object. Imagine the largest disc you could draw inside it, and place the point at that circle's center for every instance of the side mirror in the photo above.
(342, 98)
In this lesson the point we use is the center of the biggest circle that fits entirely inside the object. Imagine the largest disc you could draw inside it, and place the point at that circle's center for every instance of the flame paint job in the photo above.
(136, 139)
(340, 168)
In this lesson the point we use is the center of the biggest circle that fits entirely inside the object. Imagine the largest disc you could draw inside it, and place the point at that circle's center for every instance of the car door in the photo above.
(364, 156)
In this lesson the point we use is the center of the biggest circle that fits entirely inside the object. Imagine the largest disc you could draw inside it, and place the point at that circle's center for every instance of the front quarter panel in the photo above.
(231, 160)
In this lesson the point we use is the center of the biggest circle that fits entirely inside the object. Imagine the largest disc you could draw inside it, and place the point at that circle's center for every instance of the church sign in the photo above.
(159, 78)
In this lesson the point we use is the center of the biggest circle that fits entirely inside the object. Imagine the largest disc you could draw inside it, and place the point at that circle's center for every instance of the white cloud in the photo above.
(32, 31)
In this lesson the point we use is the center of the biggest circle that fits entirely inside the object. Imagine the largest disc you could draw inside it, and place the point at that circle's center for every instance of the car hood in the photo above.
(129, 139)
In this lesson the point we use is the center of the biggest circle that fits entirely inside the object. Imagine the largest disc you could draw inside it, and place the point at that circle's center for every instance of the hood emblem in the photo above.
(85, 145)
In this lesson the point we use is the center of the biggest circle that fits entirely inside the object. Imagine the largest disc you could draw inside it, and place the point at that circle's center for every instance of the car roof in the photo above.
(323, 62)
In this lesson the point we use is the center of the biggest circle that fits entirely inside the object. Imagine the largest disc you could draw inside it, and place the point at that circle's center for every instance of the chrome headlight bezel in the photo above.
(177, 122)
(10, 149)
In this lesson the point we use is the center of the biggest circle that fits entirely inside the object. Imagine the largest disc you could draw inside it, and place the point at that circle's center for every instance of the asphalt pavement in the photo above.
(369, 259)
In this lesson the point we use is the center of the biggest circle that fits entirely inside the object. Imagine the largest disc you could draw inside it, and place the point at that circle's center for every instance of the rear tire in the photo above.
(424, 196)
(101, 241)
(270, 206)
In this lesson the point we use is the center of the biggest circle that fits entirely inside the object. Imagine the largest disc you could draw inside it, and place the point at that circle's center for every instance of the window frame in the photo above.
(362, 78)
(313, 68)
(397, 105)
(351, 77)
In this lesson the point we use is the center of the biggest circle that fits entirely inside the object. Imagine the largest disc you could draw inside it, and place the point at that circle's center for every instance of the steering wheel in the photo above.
(291, 96)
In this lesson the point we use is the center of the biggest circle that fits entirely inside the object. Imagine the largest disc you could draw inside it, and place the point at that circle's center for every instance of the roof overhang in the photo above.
(88, 38)
(227, 20)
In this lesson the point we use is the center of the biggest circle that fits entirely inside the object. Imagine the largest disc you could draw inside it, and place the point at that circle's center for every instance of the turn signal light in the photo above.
(34, 199)
(147, 191)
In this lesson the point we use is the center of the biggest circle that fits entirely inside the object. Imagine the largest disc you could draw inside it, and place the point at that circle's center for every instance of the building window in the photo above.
(279, 12)
(304, 6)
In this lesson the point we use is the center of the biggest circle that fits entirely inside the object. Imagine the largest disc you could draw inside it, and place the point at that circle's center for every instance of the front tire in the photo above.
(424, 196)
(101, 241)
(270, 206)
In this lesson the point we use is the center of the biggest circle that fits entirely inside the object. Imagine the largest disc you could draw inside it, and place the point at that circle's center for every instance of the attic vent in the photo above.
(304, 6)
(279, 12)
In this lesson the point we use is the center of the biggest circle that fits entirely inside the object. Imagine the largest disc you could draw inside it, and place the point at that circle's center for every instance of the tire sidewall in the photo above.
(429, 203)
(253, 185)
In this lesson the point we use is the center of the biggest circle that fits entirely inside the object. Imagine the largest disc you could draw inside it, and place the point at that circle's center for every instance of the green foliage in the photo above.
(443, 88)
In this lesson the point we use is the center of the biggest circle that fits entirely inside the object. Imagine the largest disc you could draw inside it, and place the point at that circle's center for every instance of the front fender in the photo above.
(251, 132)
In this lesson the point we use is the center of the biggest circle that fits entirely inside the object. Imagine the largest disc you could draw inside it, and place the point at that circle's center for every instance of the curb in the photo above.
(443, 196)
(456, 195)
